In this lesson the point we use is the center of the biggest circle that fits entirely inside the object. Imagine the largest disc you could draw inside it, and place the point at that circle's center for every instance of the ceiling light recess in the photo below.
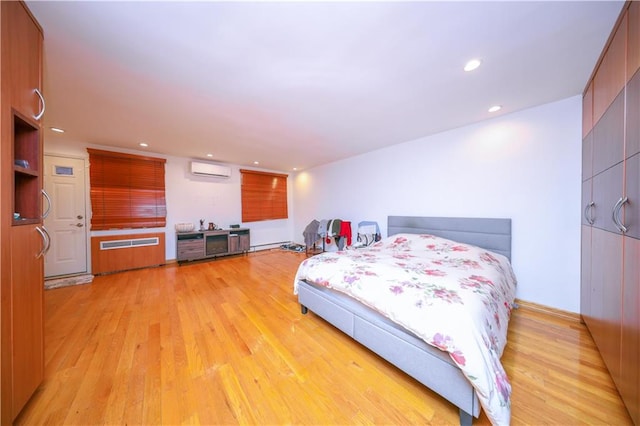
(143, 144)
(495, 108)
(472, 65)
(57, 129)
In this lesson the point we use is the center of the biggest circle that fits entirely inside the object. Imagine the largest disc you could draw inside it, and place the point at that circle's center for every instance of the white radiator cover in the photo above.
(129, 243)
(208, 169)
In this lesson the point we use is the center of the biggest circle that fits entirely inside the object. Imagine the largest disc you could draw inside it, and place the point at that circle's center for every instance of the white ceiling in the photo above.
(299, 84)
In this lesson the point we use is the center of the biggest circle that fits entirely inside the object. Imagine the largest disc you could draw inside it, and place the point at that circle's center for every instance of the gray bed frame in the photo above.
(430, 366)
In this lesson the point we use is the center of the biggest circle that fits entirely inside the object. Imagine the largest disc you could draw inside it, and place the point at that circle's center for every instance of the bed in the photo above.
(435, 360)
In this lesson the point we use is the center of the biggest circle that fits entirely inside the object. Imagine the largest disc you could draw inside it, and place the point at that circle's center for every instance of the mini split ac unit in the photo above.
(208, 169)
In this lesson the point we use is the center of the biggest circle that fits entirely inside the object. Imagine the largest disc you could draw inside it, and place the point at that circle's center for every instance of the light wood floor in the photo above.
(223, 342)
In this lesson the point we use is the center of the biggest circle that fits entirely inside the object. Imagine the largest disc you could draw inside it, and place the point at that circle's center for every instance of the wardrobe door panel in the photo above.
(632, 207)
(25, 57)
(587, 198)
(607, 190)
(608, 137)
(633, 116)
(587, 110)
(610, 77)
(630, 357)
(585, 274)
(587, 156)
(606, 297)
(633, 41)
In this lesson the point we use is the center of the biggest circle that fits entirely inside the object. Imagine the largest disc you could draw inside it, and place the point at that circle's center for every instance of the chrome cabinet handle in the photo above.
(39, 115)
(623, 227)
(44, 242)
(589, 207)
(615, 215)
(46, 213)
(46, 233)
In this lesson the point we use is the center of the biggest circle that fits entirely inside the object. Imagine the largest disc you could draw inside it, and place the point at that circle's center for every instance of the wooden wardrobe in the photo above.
(610, 278)
(23, 239)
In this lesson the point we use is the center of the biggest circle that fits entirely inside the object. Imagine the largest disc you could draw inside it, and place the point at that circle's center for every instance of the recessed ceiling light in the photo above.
(57, 130)
(209, 155)
(472, 65)
(295, 168)
(256, 162)
(495, 108)
(143, 144)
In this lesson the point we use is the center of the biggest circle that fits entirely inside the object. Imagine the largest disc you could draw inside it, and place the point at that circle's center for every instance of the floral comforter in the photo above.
(455, 296)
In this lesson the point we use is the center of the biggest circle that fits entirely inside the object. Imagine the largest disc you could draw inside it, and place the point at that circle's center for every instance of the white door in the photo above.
(64, 181)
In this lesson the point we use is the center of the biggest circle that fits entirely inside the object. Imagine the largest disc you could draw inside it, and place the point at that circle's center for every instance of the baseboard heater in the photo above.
(116, 253)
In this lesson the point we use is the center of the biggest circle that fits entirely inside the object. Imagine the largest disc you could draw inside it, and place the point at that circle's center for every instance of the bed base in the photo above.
(428, 365)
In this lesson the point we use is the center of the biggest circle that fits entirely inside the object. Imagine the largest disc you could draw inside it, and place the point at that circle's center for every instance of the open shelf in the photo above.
(26, 175)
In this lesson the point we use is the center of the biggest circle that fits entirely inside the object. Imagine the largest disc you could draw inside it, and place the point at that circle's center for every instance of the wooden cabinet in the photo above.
(633, 41)
(610, 270)
(632, 141)
(606, 297)
(630, 333)
(610, 77)
(27, 322)
(210, 244)
(23, 239)
(25, 57)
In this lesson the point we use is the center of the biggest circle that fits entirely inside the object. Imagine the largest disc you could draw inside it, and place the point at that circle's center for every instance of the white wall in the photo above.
(191, 198)
(525, 166)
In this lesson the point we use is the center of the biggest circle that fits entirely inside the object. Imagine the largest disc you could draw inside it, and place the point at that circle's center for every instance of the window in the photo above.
(127, 191)
(264, 196)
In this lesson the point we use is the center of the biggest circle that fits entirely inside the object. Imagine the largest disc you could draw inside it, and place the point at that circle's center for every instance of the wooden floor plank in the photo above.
(224, 342)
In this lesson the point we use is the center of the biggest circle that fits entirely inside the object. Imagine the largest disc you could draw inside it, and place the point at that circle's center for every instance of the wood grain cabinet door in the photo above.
(607, 191)
(632, 141)
(606, 297)
(585, 274)
(608, 137)
(631, 216)
(27, 306)
(630, 356)
(25, 39)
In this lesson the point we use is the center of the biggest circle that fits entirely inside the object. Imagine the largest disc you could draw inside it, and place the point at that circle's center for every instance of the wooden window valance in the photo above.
(127, 191)
(264, 196)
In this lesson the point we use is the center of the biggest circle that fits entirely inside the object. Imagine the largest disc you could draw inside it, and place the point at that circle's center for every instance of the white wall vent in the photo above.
(137, 242)
(208, 169)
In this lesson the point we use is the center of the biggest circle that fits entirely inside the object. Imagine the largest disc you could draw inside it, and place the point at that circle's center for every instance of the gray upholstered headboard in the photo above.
(491, 234)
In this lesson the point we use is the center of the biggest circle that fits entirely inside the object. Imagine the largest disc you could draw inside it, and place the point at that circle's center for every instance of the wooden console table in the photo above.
(196, 245)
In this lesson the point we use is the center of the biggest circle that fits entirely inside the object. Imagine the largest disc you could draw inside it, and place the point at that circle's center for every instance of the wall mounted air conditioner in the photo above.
(208, 169)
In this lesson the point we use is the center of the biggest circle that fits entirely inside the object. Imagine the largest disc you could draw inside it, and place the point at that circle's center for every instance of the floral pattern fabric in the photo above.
(456, 297)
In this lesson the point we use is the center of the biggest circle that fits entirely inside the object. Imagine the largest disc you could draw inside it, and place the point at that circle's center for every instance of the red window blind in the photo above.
(127, 191)
(264, 196)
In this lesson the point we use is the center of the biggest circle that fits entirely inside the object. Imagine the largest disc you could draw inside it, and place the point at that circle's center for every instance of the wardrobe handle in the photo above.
(39, 115)
(615, 215)
(46, 233)
(44, 242)
(589, 207)
(46, 213)
(622, 202)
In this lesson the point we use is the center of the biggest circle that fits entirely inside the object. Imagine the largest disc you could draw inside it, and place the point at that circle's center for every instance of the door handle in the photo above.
(78, 225)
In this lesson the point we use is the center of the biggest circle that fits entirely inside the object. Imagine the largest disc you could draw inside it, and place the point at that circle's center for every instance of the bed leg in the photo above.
(304, 309)
(466, 419)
